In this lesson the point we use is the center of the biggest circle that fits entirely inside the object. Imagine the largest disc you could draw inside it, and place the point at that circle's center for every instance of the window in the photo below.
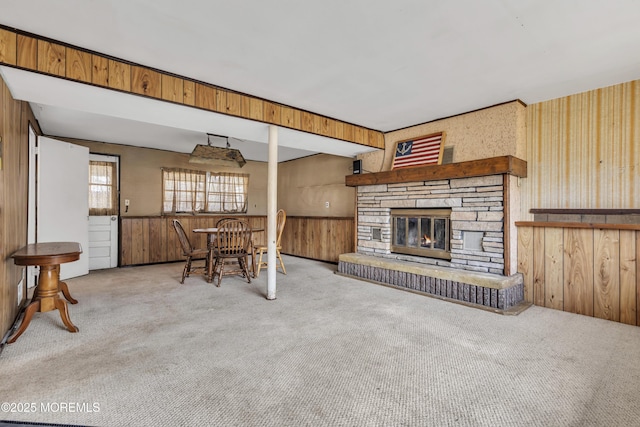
(183, 190)
(103, 192)
(189, 191)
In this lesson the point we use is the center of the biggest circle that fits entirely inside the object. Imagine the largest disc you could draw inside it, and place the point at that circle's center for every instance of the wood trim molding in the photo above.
(506, 224)
(586, 225)
(483, 167)
(35, 53)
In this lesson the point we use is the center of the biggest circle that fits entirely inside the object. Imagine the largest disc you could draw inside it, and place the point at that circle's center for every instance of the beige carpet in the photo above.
(330, 351)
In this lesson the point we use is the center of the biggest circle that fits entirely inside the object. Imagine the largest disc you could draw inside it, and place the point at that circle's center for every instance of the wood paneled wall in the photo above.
(148, 240)
(583, 150)
(14, 133)
(31, 52)
(590, 269)
(321, 238)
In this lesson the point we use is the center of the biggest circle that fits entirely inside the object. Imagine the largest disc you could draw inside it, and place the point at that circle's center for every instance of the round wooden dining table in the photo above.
(46, 296)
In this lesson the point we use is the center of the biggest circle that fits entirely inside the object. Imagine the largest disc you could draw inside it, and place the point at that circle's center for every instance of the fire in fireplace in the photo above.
(422, 232)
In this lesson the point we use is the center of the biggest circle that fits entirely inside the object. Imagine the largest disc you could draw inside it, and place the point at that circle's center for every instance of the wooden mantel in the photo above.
(492, 166)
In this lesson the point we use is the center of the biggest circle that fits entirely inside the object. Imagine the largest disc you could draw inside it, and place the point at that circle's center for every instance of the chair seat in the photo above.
(229, 254)
(264, 247)
(196, 253)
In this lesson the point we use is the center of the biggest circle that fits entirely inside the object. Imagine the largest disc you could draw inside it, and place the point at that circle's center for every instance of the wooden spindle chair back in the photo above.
(232, 243)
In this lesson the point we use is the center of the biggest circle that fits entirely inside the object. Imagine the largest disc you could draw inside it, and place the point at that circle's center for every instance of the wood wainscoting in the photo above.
(151, 239)
(583, 268)
(320, 238)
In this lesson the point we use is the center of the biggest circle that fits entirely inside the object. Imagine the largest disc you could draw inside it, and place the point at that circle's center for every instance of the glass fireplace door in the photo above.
(423, 232)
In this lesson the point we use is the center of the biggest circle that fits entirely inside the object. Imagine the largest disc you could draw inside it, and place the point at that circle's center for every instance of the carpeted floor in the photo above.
(329, 351)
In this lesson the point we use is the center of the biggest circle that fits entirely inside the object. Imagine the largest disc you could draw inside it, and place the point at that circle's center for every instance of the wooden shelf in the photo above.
(492, 166)
(585, 211)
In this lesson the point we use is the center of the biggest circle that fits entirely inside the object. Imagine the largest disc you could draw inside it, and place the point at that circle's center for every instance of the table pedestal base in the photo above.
(46, 298)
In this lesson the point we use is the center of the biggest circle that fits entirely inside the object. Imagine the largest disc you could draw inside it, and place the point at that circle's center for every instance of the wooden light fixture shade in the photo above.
(218, 156)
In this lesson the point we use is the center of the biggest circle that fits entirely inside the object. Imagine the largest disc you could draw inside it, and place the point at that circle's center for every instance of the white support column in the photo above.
(272, 208)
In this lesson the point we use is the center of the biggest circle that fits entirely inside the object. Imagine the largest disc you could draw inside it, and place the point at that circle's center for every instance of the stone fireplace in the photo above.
(448, 223)
(476, 206)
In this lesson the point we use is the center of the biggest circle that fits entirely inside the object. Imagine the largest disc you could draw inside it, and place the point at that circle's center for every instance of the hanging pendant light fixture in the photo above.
(217, 156)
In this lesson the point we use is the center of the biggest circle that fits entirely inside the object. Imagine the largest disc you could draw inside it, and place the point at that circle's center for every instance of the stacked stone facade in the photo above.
(477, 206)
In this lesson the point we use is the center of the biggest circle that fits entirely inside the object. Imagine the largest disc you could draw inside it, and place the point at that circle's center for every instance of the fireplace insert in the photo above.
(421, 232)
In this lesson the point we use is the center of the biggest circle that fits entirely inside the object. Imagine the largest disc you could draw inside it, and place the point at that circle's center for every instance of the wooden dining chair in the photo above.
(260, 250)
(190, 252)
(221, 220)
(232, 244)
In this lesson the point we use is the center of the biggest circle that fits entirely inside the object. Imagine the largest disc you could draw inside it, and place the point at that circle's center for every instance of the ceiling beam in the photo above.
(42, 55)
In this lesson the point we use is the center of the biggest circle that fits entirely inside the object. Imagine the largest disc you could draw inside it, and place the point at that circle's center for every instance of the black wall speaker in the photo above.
(357, 166)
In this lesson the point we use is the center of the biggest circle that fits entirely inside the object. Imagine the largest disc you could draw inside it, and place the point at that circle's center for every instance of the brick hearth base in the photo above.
(481, 289)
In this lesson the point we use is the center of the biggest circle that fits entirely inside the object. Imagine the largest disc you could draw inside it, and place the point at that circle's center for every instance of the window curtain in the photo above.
(227, 192)
(183, 190)
(103, 192)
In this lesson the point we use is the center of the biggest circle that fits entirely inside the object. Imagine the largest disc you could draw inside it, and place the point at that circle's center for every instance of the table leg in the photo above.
(210, 260)
(61, 305)
(65, 291)
(48, 292)
(253, 261)
(28, 314)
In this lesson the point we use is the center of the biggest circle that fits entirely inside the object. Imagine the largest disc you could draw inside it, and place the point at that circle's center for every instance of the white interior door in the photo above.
(63, 199)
